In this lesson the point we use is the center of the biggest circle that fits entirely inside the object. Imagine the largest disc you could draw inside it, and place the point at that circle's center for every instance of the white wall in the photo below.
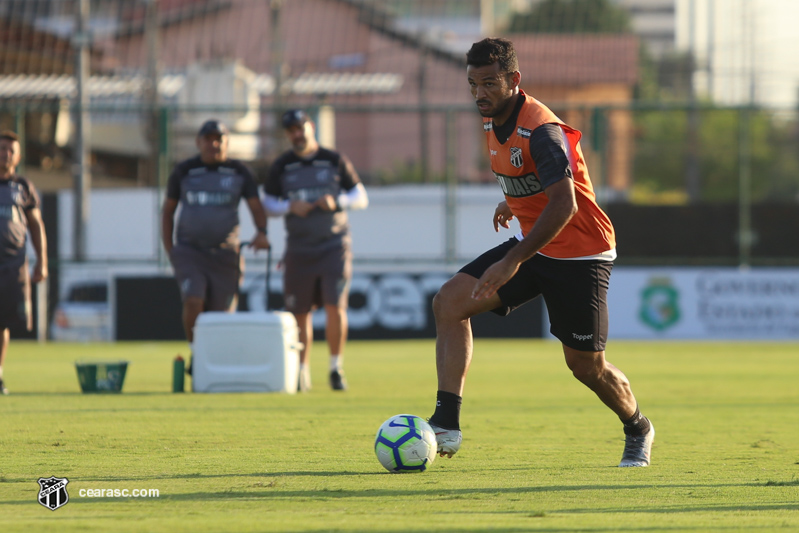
(123, 224)
(402, 225)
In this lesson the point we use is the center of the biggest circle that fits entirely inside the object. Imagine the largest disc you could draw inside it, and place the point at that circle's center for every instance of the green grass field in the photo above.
(539, 453)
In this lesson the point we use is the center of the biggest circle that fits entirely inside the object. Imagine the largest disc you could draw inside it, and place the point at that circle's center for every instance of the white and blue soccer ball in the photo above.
(405, 443)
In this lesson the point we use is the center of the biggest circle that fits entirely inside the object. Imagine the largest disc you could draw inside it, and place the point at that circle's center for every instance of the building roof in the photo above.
(563, 59)
(23, 86)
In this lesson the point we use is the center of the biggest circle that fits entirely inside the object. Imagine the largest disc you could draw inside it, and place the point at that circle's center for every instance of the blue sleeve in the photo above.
(548, 150)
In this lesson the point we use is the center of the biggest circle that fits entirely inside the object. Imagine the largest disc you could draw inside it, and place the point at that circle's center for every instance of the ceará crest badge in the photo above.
(53, 492)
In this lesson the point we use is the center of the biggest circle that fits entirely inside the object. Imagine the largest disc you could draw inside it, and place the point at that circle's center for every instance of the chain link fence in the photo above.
(385, 83)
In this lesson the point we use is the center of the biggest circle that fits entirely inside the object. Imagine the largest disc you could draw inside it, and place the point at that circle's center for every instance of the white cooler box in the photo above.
(245, 352)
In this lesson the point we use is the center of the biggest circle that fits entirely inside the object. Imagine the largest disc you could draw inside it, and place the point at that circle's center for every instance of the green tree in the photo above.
(661, 151)
(572, 16)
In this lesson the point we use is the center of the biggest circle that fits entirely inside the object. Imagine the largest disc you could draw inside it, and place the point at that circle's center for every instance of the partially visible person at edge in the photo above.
(204, 248)
(313, 187)
(565, 252)
(19, 214)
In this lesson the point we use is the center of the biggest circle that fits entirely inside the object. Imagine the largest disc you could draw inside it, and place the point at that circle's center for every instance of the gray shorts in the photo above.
(314, 279)
(15, 297)
(211, 275)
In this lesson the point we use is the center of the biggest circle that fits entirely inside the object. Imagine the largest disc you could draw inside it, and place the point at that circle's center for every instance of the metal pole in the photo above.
(81, 168)
(151, 118)
(163, 173)
(450, 196)
(692, 174)
(744, 185)
(424, 119)
(487, 21)
(745, 234)
(711, 47)
(276, 59)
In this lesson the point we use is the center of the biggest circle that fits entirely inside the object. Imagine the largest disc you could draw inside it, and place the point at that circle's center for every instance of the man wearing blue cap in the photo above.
(204, 248)
(313, 187)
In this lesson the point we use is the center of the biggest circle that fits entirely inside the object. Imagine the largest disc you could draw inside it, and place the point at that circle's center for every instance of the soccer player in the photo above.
(205, 250)
(565, 252)
(19, 215)
(314, 187)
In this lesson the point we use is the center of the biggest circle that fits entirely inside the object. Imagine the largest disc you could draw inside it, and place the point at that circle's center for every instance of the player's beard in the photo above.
(493, 111)
(300, 145)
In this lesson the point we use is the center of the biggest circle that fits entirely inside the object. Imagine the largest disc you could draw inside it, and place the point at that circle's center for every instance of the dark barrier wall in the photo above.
(395, 306)
(400, 306)
(148, 308)
(703, 234)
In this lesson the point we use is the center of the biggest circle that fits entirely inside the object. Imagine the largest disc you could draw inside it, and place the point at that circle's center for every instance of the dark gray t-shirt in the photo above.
(17, 197)
(294, 178)
(209, 197)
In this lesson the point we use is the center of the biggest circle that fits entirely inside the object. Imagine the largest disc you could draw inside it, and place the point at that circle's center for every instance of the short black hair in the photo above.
(493, 50)
(9, 135)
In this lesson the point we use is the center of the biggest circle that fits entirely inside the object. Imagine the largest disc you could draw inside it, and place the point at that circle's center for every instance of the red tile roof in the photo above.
(557, 59)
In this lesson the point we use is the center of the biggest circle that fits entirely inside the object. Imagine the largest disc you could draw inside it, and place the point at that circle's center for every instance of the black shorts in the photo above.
(15, 297)
(575, 292)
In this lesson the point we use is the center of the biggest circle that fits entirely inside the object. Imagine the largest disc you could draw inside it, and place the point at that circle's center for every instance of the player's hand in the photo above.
(502, 216)
(493, 278)
(326, 203)
(260, 242)
(301, 208)
(39, 273)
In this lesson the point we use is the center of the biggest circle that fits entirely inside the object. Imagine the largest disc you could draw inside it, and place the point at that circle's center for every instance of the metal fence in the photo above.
(385, 82)
(641, 155)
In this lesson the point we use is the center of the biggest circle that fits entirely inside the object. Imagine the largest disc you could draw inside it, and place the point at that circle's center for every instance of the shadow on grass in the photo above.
(337, 473)
(432, 494)
(102, 394)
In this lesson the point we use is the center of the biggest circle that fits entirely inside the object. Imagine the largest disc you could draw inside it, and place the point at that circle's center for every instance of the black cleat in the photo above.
(337, 380)
(3, 389)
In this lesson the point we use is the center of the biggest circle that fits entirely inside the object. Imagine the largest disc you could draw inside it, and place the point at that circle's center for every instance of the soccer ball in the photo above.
(405, 443)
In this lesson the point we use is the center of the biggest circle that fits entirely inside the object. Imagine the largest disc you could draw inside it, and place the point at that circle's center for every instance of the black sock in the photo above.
(448, 410)
(637, 424)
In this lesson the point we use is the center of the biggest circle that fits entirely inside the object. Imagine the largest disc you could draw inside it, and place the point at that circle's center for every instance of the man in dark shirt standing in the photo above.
(314, 187)
(19, 214)
(204, 250)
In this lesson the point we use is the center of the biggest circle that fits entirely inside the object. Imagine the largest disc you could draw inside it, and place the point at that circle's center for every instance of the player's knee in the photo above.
(444, 303)
(453, 300)
(586, 368)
